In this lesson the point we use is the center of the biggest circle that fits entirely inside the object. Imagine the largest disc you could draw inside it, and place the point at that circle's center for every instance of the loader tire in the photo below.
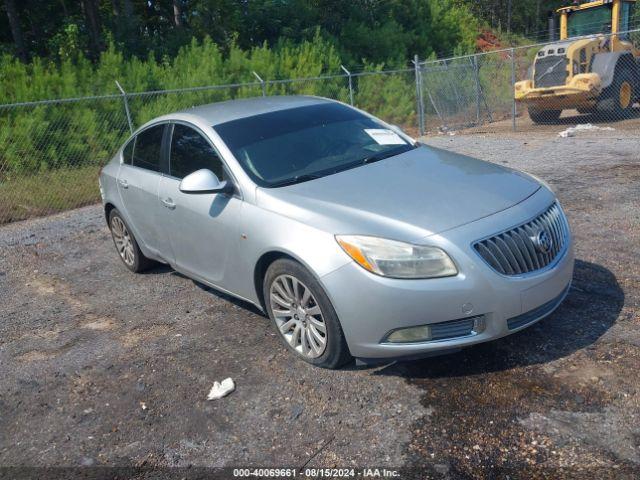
(544, 116)
(586, 110)
(617, 102)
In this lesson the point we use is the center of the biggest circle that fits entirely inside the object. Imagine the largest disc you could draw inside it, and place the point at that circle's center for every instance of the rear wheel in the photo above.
(303, 315)
(126, 244)
(544, 116)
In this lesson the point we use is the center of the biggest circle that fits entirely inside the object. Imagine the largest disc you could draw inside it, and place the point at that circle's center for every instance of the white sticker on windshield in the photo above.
(385, 137)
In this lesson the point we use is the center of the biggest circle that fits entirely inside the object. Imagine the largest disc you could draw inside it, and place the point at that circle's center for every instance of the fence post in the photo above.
(513, 88)
(476, 76)
(262, 84)
(350, 83)
(419, 97)
(126, 106)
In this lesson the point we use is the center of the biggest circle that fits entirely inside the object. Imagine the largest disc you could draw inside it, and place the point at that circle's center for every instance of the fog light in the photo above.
(479, 324)
(409, 335)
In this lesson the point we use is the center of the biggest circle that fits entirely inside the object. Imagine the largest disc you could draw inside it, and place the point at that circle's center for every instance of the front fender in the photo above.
(605, 64)
(265, 232)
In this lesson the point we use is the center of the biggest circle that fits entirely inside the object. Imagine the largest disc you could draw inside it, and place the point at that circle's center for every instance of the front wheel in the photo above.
(303, 315)
(544, 116)
(586, 110)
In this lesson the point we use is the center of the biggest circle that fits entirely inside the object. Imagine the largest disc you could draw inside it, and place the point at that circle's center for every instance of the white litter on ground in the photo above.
(571, 131)
(221, 389)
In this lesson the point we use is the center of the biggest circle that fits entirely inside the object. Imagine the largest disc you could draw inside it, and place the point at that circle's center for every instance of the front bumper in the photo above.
(582, 91)
(370, 306)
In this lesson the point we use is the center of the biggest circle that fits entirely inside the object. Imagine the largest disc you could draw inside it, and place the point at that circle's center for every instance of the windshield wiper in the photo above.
(297, 179)
(382, 155)
(370, 159)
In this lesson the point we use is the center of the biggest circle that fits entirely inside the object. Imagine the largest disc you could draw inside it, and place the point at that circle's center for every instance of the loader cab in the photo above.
(594, 67)
(596, 17)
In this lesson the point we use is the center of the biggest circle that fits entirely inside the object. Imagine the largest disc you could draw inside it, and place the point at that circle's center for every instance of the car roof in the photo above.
(221, 112)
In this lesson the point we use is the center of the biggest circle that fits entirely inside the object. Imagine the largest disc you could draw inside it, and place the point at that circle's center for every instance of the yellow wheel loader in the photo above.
(593, 67)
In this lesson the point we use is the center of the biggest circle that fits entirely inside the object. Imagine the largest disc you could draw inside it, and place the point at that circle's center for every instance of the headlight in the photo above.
(391, 258)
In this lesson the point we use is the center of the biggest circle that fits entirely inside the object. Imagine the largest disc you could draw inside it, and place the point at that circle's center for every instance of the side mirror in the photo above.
(204, 181)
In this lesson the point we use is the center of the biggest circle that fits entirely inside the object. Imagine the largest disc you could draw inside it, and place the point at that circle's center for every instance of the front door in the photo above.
(202, 228)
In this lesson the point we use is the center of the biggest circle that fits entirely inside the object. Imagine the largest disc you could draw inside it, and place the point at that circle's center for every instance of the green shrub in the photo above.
(38, 138)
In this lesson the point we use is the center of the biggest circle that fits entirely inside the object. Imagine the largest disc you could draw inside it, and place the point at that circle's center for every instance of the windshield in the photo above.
(294, 145)
(590, 21)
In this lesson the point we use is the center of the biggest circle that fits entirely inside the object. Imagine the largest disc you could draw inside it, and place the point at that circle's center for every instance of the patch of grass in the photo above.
(44, 193)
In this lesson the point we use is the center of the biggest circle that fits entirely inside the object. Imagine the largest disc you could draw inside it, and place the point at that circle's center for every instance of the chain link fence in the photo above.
(51, 151)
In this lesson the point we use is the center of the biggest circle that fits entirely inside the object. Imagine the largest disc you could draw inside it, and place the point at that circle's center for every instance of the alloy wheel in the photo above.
(123, 241)
(298, 316)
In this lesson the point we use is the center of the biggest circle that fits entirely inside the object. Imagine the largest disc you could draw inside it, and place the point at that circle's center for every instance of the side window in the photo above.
(146, 151)
(127, 151)
(628, 21)
(190, 151)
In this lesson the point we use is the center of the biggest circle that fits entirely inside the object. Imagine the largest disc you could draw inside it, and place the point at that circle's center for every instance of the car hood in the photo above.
(407, 197)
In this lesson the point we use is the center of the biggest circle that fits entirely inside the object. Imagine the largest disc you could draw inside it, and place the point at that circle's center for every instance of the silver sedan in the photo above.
(356, 240)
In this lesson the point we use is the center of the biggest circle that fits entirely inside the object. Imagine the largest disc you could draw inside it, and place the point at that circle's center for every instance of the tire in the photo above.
(586, 110)
(126, 244)
(618, 100)
(544, 116)
(300, 327)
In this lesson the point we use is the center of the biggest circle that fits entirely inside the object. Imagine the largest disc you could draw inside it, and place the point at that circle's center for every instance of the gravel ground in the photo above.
(524, 125)
(99, 366)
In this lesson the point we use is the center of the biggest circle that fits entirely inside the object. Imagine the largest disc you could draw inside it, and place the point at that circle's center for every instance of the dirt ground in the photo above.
(99, 366)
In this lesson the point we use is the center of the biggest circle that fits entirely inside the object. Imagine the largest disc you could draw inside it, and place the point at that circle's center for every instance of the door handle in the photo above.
(168, 202)
(123, 183)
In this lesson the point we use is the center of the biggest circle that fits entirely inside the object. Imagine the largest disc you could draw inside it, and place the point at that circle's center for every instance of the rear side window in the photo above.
(127, 151)
(190, 151)
(146, 151)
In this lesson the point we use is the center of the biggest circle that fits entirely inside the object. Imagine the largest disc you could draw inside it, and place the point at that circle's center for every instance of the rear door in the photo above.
(138, 182)
(202, 228)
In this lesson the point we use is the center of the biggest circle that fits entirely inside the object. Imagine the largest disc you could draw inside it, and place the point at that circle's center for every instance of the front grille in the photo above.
(537, 313)
(550, 71)
(452, 329)
(522, 249)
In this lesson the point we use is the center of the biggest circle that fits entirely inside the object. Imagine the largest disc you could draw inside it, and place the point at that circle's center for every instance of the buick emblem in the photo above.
(542, 241)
